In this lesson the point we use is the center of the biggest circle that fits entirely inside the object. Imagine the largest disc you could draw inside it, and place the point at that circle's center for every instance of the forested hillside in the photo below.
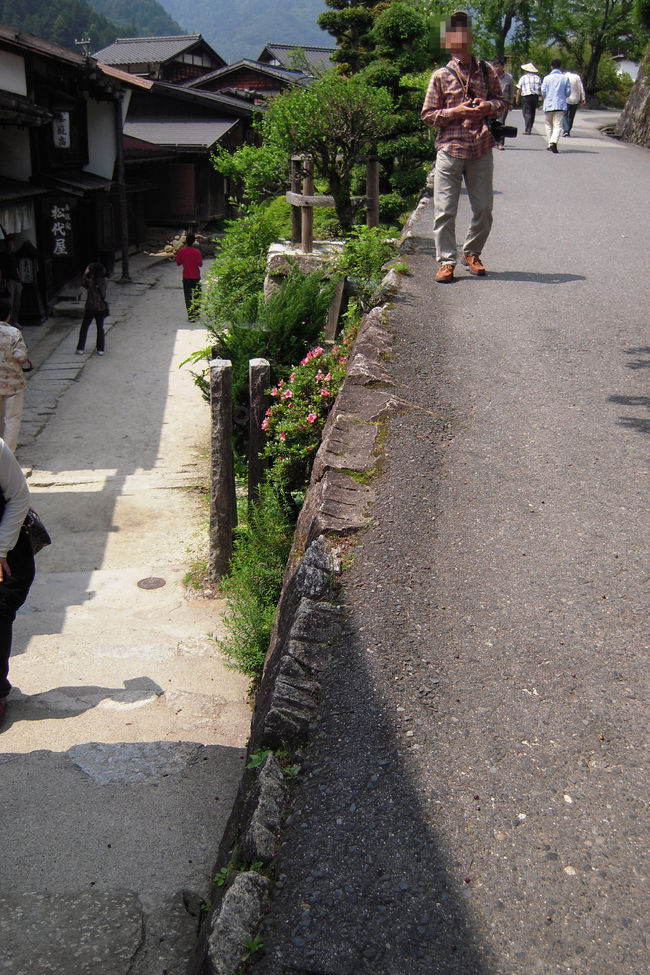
(60, 21)
(234, 28)
(241, 28)
(140, 18)
(66, 21)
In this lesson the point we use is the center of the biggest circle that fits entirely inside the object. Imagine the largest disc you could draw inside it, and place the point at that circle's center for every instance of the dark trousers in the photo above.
(83, 331)
(192, 292)
(13, 593)
(569, 115)
(528, 109)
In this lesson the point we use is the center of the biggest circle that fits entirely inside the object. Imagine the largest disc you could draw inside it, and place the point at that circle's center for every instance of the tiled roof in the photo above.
(185, 135)
(136, 50)
(271, 70)
(318, 58)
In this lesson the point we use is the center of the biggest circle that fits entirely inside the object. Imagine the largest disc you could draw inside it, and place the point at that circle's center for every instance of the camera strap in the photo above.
(465, 88)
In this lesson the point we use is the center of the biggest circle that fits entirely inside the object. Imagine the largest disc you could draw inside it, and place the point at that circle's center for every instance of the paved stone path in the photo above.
(473, 797)
(124, 740)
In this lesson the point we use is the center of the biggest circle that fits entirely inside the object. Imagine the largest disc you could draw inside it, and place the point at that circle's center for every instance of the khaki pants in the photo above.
(448, 177)
(554, 126)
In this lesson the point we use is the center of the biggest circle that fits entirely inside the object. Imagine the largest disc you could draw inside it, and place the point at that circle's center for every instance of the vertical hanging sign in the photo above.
(61, 227)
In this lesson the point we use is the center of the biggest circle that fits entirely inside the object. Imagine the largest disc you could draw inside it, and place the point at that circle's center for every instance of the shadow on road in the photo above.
(66, 701)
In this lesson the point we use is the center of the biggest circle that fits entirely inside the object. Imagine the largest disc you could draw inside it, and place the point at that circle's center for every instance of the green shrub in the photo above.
(237, 273)
(252, 589)
(366, 251)
(279, 330)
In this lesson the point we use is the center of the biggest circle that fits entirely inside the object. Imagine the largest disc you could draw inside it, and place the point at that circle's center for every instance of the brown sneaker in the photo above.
(445, 273)
(473, 262)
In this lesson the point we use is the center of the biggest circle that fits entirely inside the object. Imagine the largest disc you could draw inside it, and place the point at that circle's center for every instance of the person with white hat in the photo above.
(529, 88)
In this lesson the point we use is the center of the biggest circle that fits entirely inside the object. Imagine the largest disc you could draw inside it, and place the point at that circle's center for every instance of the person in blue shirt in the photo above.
(556, 88)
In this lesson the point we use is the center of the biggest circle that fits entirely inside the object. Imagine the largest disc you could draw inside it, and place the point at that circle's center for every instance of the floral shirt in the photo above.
(464, 138)
(13, 352)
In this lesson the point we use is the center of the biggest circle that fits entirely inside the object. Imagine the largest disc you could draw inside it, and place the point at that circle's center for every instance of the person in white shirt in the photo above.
(576, 97)
(555, 89)
(16, 558)
(529, 88)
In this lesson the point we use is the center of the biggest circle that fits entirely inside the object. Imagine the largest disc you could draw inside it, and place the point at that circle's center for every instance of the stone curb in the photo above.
(308, 624)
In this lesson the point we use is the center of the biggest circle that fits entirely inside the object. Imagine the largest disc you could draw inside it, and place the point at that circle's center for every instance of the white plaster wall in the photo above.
(101, 139)
(12, 73)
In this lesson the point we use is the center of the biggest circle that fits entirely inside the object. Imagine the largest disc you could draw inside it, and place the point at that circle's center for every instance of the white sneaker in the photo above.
(99, 353)
(79, 351)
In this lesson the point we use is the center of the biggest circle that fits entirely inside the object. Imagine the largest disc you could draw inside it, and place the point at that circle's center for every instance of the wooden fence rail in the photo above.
(303, 203)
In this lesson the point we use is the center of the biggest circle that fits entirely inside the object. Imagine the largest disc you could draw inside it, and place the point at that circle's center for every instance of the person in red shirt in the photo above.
(189, 258)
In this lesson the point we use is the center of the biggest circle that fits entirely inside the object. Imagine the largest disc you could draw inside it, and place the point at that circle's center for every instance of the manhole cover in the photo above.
(151, 582)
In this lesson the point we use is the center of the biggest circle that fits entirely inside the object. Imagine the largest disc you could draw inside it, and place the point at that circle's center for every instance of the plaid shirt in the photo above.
(530, 84)
(464, 138)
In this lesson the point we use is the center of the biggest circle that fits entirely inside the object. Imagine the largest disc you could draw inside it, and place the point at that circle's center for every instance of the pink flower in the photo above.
(319, 376)
(292, 377)
(328, 377)
(325, 392)
(311, 417)
(287, 394)
(274, 391)
(268, 412)
(283, 436)
(265, 424)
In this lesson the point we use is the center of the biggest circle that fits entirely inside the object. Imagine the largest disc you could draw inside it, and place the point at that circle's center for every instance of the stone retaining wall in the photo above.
(308, 623)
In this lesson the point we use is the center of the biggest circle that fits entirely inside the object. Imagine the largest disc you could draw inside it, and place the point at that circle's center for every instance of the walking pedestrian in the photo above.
(508, 91)
(189, 258)
(460, 99)
(574, 98)
(529, 88)
(94, 280)
(13, 355)
(555, 89)
(16, 558)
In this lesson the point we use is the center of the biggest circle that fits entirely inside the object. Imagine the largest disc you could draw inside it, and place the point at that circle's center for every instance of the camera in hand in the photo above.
(501, 131)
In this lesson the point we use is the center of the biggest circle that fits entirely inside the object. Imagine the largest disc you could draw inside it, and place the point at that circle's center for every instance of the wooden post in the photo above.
(296, 215)
(259, 380)
(372, 191)
(307, 211)
(223, 502)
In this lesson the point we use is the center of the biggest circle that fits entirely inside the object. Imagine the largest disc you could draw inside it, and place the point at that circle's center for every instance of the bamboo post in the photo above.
(259, 380)
(307, 211)
(223, 502)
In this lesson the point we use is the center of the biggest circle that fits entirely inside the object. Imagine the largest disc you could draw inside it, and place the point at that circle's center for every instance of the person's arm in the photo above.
(583, 96)
(179, 259)
(16, 494)
(19, 351)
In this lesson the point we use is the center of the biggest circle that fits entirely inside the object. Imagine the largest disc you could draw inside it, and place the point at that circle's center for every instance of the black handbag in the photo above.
(36, 531)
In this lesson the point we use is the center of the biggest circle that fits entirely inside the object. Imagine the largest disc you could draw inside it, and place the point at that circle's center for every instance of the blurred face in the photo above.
(499, 69)
(458, 41)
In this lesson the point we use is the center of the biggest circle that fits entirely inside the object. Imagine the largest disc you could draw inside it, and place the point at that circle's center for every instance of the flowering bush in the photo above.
(294, 422)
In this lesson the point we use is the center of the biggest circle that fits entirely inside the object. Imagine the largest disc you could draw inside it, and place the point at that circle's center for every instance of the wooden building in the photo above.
(171, 59)
(60, 201)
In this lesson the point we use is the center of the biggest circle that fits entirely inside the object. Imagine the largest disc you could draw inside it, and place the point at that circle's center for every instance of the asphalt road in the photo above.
(473, 796)
(125, 733)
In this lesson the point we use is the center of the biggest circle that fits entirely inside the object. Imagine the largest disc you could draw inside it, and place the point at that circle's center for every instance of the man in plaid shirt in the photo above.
(460, 99)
